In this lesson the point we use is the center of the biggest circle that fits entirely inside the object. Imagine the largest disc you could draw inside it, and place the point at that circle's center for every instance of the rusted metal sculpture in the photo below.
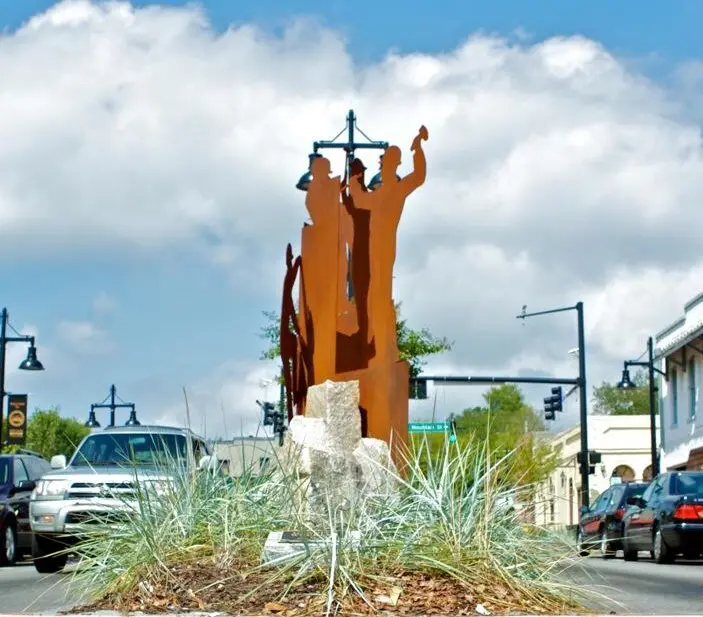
(290, 334)
(346, 325)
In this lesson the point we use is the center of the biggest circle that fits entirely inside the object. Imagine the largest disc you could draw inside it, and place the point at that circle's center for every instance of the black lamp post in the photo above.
(349, 146)
(30, 363)
(627, 384)
(112, 405)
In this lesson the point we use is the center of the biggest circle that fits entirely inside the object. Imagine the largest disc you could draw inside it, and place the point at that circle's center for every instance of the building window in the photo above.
(624, 472)
(692, 388)
(674, 397)
(647, 474)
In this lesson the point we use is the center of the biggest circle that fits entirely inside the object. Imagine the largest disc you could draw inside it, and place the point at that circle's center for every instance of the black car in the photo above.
(601, 525)
(18, 475)
(667, 519)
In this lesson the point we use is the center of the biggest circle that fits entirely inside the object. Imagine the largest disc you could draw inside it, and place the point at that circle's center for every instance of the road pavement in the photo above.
(642, 587)
(634, 588)
(24, 590)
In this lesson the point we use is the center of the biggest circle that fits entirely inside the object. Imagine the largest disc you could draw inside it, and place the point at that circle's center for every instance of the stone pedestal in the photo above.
(284, 546)
(383, 399)
(334, 465)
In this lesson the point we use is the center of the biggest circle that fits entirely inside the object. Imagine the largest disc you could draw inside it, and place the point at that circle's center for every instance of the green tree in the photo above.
(48, 433)
(413, 345)
(508, 424)
(608, 399)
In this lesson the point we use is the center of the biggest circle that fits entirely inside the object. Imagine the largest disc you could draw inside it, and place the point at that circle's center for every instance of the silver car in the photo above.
(101, 483)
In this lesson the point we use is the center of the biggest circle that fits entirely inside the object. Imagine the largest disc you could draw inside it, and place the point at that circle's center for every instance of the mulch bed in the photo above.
(210, 586)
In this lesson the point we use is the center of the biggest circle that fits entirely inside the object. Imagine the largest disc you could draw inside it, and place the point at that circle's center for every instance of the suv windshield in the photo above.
(4, 470)
(104, 449)
(687, 484)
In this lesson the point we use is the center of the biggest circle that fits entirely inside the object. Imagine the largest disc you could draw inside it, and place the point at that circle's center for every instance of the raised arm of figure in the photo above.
(417, 176)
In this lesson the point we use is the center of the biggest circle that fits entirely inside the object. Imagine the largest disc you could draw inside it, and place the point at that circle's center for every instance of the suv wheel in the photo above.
(8, 543)
(47, 555)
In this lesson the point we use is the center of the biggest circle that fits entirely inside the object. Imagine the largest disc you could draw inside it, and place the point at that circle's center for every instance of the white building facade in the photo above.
(247, 454)
(679, 350)
(624, 445)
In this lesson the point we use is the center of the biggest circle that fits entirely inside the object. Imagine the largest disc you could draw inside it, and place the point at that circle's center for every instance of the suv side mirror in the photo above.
(58, 461)
(25, 485)
(584, 510)
(208, 462)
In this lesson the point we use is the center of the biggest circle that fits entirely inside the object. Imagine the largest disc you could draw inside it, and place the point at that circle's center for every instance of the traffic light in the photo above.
(552, 404)
(452, 430)
(593, 459)
(418, 389)
(269, 410)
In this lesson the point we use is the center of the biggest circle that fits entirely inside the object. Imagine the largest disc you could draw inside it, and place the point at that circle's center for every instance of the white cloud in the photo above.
(224, 403)
(556, 173)
(104, 304)
(85, 337)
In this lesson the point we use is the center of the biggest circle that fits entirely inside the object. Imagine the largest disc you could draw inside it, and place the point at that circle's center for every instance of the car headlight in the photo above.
(50, 488)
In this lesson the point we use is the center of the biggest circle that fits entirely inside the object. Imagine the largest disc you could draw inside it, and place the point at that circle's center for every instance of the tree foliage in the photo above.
(506, 423)
(608, 399)
(48, 433)
(413, 345)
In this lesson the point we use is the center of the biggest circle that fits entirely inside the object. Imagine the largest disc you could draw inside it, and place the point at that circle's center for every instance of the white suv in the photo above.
(100, 483)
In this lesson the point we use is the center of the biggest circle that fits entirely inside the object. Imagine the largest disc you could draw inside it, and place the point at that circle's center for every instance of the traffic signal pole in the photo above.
(583, 408)
(580, 382)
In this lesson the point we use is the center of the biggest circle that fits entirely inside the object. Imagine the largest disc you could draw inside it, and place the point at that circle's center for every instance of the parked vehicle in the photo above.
(601, 525)
(18, 475)
(101, 482)
(667, 519)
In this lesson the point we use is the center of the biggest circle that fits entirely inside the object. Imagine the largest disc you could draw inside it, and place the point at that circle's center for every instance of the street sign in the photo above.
(452, 438)
(428, 427)
(16, 419)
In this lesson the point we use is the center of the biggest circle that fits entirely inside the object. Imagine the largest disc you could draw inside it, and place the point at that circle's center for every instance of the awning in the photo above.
(695, 460)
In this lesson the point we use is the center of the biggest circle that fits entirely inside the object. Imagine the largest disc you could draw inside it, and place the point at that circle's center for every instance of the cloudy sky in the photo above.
(149, 152)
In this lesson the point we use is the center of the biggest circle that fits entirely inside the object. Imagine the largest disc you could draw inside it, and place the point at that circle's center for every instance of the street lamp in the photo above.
(348, 146)
(112, 406)
(626, 383)
(30, 363)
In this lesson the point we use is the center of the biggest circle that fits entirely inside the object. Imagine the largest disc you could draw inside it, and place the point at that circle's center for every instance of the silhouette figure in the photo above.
(386, 207)
(322, 250)
(359, 264)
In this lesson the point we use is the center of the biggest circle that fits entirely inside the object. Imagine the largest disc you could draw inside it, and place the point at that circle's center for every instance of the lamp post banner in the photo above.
(16, 419)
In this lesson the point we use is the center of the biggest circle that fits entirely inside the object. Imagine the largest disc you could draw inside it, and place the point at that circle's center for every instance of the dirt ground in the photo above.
(210, 586)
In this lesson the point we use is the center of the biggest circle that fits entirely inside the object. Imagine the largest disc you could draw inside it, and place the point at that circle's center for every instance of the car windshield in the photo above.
(687, 484)
(636, 489)
(126, 449)
(4, 470)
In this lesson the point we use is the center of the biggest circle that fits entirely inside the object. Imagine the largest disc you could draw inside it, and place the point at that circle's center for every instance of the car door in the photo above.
(592, 518)
(641, 519)
(20, 500)
(610, 520)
